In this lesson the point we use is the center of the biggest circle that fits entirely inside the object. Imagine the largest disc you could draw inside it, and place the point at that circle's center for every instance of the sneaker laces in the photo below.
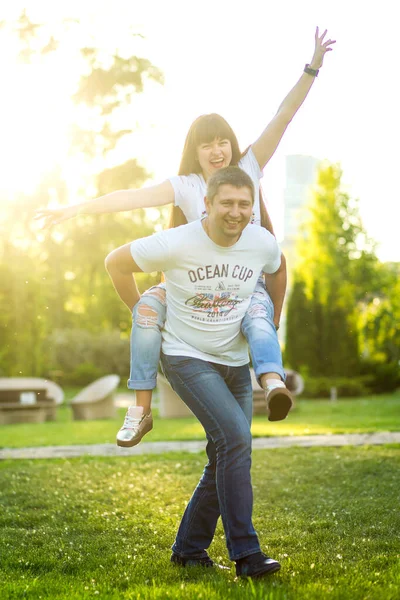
(132, 422)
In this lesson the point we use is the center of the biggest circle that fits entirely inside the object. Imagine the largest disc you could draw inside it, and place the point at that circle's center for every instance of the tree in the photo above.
(380, 317)
(334, 258)
(300, 322)
(56, 279)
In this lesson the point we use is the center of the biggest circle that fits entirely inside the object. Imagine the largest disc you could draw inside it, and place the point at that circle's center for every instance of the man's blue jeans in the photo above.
(221, 398)
(257, 327)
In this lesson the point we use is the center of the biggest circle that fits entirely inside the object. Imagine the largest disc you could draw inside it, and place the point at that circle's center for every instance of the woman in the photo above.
(210, 145)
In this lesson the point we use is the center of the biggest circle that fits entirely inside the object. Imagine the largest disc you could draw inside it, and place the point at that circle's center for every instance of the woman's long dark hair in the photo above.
(203, 130)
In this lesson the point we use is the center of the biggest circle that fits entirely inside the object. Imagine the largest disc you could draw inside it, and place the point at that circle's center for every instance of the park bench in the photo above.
(28, 400)
(96, 401)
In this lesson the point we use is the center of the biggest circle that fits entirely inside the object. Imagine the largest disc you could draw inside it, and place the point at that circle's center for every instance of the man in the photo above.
(211, 269)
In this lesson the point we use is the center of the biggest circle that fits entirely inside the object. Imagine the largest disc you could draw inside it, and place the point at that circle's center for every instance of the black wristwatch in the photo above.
(310, 71)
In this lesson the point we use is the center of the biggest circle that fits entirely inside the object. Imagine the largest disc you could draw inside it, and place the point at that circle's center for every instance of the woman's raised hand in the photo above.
(321, 48)
(54, 216)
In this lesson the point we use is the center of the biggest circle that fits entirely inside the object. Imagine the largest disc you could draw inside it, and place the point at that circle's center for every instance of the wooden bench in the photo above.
(96, 401)
(23, 405)
(46, 391)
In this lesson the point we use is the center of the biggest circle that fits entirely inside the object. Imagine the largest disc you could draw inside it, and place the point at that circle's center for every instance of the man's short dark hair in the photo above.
(229, 176)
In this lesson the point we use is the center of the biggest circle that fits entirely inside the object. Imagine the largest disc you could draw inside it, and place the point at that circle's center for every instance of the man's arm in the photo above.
(268, 141)
(120, 267)
(276, 286)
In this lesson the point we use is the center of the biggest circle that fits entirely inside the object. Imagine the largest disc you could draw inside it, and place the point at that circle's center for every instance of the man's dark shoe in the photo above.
(195, 562)
(256, 565)
(191, 562)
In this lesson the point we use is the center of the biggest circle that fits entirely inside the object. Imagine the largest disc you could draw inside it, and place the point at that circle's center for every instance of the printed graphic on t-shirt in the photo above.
(213, 305)
(226, 270)
(217, 301)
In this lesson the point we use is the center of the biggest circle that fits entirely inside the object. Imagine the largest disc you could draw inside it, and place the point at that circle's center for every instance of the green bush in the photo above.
(82, 356)
(83, 374)
(382, 377)
(320, 387)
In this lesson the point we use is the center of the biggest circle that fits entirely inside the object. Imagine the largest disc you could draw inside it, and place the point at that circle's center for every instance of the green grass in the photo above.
(102, 528)
(361, 415)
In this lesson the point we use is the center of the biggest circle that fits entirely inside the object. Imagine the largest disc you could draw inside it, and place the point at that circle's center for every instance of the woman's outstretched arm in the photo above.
(121, 200)
(265, 146)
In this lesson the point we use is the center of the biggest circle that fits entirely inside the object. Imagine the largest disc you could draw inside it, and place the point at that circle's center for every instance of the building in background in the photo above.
(301, 172)
(300, 175)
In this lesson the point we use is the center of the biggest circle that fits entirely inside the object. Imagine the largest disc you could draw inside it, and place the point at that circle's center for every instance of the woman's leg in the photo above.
(148, 320)
(266, 356)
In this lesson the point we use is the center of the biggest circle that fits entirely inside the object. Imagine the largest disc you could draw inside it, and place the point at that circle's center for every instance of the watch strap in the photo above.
(310, 71)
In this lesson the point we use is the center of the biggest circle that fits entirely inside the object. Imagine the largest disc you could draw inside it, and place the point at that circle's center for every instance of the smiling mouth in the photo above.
(217, 163)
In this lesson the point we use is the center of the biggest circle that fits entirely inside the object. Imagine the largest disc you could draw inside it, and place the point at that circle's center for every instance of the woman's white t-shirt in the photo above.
(190, 190)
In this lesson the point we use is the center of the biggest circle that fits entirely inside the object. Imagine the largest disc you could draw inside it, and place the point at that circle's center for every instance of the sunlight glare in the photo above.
(34, 122)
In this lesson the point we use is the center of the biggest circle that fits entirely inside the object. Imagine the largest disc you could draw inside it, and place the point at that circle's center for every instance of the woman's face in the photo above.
(213, 156)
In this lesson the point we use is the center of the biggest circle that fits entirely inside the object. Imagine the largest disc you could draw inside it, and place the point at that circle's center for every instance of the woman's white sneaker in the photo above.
(135, 426)
(278, 399)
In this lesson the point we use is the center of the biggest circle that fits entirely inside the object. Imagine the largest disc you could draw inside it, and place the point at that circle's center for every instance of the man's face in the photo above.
(229, 213)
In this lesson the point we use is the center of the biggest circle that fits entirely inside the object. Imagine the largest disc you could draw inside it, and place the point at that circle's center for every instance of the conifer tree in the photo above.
(322, 314)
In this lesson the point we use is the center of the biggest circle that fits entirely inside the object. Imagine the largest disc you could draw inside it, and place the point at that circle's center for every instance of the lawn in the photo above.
(361, 415)
(102, 528)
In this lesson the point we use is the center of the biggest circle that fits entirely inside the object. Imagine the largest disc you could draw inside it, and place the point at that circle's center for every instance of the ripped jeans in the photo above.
(149, 318)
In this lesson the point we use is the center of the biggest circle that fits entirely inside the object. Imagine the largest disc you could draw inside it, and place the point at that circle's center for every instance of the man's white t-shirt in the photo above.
(190, 190)
(208, 287)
